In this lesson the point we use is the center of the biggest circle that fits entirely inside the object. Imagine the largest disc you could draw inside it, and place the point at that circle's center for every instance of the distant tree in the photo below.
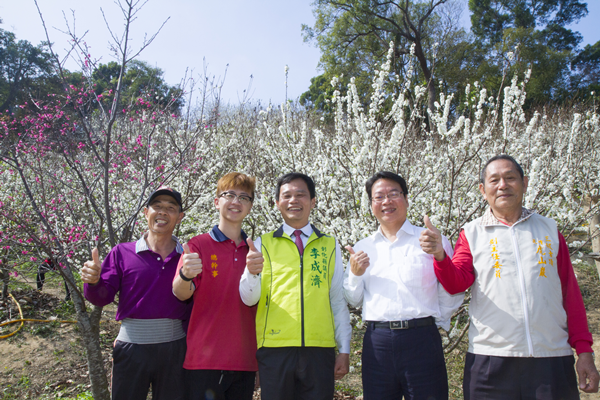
(318, 93)
(586, 67)
(25, 70)
(535, 32)
(139, 81)
(490, 18)
(354, 37)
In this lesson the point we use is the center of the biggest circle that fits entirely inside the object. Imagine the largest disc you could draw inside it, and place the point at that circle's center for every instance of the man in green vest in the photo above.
(295, 274)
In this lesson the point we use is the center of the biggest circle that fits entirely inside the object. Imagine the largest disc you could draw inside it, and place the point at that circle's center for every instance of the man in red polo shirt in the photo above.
(220, 361)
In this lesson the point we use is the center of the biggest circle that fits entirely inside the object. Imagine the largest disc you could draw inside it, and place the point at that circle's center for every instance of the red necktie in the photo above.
(298, 241)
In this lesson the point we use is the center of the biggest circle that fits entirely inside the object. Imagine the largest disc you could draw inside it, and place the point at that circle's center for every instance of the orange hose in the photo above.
(22, 320)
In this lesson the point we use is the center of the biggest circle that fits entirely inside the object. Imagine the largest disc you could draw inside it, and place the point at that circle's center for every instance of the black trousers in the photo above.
(136, 367)
(404, 363)
(519, 378)
(40, 279)
(296, 373)
(208, 384)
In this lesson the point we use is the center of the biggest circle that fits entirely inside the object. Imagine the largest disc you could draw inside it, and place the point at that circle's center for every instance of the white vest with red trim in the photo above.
(516, 308)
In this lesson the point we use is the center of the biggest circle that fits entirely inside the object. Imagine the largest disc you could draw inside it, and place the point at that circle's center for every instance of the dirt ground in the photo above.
(47, 361)
(594, 322)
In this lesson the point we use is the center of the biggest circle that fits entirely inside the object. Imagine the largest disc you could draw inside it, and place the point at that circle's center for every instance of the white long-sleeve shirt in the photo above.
(400, 282)
(250, 290)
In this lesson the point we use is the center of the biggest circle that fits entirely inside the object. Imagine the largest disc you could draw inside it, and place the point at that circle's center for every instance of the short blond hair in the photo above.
(236, 180)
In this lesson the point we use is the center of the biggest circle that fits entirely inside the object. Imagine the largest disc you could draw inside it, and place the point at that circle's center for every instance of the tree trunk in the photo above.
(4, 277)
(89, 326)
(594, 221)
(431, 96)
(431, 92)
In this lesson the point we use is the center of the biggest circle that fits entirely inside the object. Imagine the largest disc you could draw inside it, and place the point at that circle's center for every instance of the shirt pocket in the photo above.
(417, 271)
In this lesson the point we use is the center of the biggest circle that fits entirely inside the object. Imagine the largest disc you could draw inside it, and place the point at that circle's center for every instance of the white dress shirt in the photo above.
(250, 290)
(400, 283)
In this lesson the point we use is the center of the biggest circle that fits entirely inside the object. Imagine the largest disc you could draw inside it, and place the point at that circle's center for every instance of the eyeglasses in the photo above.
(230, 196)
(393, 195)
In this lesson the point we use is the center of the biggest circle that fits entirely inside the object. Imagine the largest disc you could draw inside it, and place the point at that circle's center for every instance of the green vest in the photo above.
(294, 309)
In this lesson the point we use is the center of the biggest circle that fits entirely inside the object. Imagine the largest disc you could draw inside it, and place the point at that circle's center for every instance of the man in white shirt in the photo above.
(296, 277)
(403, 303)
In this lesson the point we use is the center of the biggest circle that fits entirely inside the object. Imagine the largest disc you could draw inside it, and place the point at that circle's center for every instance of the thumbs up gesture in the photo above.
(90, 273)
(431, 240)
(254, 259)
(359, 262)
(192, 264)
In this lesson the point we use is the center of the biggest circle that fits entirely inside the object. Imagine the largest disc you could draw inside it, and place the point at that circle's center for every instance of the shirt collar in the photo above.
(489, 218)
(407, 228)
(218, 236)
(307, 230)
(142, 245)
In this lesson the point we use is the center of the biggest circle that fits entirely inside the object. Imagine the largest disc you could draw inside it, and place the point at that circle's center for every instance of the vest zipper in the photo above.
(523, 296)
(266, 320)
(302, 294)
(267, 306)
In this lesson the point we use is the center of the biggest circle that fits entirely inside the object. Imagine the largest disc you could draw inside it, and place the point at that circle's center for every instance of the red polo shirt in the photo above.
(221, 334)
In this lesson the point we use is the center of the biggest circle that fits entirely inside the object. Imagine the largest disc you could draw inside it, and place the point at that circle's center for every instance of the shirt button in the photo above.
(158, 258)
(235, 259)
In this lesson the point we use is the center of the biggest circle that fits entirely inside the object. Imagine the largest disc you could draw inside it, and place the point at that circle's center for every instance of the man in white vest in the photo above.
(526, 309)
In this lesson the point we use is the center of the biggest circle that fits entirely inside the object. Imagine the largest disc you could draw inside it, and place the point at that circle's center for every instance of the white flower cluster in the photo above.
(439, 152)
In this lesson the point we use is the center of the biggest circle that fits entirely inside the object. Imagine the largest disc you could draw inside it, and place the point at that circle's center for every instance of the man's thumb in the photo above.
(186, 249)
(350, 249)
(95, 256)
(582, 380)
(251, 244)
(428, 223)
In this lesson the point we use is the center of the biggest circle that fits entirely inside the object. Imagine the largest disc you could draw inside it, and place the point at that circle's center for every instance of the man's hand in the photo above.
(192, 264)
(342, 365)
(431, 240)
(256, 381)
(587, 372)
(90, 273)
(359, 262)
(254, 259)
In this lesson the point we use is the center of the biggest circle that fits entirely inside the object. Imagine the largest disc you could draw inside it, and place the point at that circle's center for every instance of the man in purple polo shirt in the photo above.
(150, 347)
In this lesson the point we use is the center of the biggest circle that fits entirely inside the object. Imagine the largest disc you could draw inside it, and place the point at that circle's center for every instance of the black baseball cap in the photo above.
(166, 191)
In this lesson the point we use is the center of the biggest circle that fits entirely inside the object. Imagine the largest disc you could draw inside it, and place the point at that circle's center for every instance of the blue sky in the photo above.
(257, 38)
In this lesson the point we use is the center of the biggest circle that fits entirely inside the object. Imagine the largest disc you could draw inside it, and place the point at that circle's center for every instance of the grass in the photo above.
(587, 277)
(351, 384)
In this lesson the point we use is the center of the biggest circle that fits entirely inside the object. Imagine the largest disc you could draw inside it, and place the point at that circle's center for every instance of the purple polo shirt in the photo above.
(144, 281)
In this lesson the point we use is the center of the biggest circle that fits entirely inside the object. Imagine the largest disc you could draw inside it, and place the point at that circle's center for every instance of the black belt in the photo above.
(408, 324)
